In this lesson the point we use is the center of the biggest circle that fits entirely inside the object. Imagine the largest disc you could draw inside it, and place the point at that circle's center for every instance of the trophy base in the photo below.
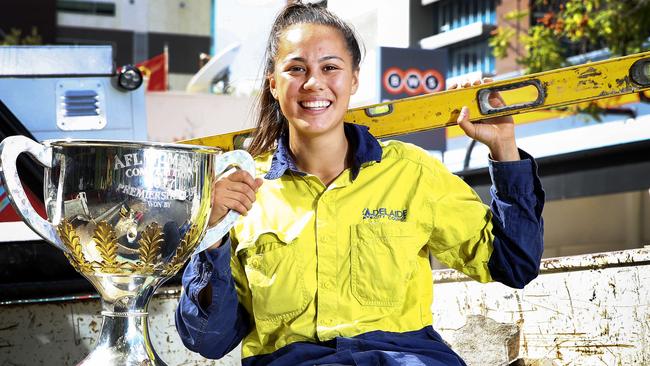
(123, 341)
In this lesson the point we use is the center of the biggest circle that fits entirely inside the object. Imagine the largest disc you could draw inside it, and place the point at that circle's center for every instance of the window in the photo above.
(86, 7)
(471, 57)
(456, 14)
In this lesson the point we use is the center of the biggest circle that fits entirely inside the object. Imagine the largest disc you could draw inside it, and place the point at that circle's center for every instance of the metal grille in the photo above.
(81, 105)
(78, 103)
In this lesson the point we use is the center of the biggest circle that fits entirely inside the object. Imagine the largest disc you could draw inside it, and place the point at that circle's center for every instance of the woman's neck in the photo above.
(324, 156)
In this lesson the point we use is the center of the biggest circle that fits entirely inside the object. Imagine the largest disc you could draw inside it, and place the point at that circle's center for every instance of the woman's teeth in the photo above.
(316, 104)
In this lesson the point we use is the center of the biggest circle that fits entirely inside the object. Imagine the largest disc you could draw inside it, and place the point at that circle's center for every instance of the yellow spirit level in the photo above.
(555, 88)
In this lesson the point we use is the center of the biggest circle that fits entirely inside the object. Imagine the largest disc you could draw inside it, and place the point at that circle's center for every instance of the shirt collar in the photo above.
(365, 147)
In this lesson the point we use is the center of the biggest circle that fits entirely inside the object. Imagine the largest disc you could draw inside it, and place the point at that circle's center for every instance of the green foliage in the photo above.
(515, 15)
(15, 38)
(576, 26)
(501, 37)
(500, 41)
(579, 25)
(543, 50)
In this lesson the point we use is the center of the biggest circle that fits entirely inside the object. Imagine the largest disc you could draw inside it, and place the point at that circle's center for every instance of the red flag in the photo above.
(154, 71)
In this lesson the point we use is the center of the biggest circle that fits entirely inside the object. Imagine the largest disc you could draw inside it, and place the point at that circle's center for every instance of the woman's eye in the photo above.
(296, 69)
(330, 68)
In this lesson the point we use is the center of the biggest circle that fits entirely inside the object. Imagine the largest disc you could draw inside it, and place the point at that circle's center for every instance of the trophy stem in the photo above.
(123, 341)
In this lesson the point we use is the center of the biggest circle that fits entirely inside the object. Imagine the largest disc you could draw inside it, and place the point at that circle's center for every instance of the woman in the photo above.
(331, 263)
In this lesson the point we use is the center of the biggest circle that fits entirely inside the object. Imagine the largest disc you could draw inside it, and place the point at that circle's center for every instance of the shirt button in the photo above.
(327, 285)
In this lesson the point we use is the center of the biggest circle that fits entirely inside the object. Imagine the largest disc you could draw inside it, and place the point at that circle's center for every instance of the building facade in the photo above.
(137, 29)
(140, 29)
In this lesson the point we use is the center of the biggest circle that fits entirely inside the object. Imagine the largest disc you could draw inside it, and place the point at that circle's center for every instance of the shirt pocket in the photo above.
(383, 260)
(275, 276)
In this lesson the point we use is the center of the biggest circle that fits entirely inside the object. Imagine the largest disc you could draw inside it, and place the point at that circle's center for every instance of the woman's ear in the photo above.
(272, 88)
(355, 81)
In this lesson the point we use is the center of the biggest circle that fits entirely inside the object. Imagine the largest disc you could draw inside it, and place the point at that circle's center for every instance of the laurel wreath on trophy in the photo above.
(184, 249)
(71, 241)
(151, 239)
(107, 245)
(104, 237)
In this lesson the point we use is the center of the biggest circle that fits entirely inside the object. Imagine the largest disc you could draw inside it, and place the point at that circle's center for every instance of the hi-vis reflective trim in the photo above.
(555, 88)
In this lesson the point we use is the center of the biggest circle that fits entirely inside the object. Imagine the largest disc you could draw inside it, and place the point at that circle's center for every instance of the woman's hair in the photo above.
(270, 121)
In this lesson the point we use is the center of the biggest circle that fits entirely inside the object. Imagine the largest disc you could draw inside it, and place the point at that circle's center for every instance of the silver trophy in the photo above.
(127, 216)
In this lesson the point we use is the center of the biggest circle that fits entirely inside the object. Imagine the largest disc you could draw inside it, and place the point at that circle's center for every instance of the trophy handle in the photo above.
(242, 160)
(10, 148)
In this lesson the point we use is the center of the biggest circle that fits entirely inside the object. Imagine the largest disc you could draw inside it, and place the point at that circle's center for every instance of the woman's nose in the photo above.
(313, 83)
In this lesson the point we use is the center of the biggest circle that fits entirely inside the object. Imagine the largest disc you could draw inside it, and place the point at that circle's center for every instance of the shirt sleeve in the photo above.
(461, 224)
(518, 226)
(502, 242)
(217, 329)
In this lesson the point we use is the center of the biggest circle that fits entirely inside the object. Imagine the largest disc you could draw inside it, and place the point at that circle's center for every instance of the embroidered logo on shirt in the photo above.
(383, 212)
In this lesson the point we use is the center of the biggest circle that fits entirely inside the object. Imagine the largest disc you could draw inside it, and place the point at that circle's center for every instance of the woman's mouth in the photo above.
(315, 105)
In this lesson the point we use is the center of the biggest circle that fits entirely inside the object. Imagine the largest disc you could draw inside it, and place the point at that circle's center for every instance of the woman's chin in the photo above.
(315, 127)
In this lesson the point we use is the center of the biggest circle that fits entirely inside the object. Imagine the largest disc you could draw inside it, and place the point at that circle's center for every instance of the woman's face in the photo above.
(313, 78)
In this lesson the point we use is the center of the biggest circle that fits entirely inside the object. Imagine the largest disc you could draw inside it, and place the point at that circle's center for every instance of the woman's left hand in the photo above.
(497, 133)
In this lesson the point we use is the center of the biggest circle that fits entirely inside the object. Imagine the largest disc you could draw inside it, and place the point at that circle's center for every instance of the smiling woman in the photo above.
(302, 25)
(313, 80)
(330, 262)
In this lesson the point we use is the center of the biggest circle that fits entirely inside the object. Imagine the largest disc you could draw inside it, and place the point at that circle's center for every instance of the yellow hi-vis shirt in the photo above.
(311, 262)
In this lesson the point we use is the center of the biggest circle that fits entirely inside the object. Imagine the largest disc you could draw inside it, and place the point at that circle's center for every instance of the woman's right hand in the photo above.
(235, 191)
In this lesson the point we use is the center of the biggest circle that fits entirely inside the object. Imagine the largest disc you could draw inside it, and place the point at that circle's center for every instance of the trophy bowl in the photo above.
(127, 216)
